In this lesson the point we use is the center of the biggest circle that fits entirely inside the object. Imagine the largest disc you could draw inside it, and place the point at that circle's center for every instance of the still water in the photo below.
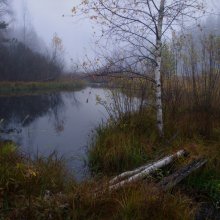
(63, 122)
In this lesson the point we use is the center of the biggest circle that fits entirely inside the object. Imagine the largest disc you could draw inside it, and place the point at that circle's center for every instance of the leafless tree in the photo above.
(57, 51)
(140, 27)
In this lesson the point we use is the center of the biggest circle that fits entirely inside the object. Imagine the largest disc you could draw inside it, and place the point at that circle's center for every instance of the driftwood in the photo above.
(172, 180)
(142, 172)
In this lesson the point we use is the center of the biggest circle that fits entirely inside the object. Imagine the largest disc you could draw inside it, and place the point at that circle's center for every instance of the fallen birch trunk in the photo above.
(172, 180)
(138, 175)
(128, 174)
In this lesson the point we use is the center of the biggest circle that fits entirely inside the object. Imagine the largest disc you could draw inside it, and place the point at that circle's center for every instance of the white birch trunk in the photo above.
(128, 174)
(154, 166)
(159, 107)
(160, 124)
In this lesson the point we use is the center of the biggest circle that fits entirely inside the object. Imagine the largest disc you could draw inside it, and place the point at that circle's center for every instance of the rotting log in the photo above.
(145, 172)
(172, 180)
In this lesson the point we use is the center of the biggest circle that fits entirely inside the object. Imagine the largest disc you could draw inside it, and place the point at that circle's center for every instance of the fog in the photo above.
(46, 18)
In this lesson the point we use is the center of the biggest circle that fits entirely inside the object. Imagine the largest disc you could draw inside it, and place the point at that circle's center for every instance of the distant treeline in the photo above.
(23, 56)
(20, 63)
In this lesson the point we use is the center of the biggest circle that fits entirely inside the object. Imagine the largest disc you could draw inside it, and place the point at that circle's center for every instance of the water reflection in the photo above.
(23, 110)
(58, 122)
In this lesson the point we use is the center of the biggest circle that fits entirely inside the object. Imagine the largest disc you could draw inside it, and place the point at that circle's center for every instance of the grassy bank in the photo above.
(42, 189)
(133, 140)
(8, 88)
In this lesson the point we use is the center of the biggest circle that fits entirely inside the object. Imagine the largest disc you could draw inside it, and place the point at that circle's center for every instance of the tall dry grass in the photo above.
(40, 189)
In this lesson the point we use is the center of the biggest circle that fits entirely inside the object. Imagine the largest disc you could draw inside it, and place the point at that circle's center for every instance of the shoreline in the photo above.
(31, 88)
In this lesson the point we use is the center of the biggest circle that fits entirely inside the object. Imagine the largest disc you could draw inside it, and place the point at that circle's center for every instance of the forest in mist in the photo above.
(23, 55)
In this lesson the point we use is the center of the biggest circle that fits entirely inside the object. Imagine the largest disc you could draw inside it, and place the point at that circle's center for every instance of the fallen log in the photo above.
(144, 171)
(128, 174)
(172, 180)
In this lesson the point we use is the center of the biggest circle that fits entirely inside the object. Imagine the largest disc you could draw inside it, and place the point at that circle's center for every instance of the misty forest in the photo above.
(110, 110)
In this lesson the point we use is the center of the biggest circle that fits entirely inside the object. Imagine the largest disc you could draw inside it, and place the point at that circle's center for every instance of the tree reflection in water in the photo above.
(44, 123)
(20, 111)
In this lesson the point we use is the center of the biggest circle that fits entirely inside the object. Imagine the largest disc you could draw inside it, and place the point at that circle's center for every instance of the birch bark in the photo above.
(158, 55)
(149, 169)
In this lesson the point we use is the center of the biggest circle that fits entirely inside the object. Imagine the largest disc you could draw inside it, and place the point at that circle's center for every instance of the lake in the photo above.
(63, 122)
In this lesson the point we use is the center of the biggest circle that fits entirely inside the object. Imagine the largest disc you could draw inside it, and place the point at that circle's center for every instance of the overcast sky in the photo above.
(46, 18)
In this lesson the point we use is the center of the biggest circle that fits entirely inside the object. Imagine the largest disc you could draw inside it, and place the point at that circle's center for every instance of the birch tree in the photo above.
(140, 27)
(57, 52)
